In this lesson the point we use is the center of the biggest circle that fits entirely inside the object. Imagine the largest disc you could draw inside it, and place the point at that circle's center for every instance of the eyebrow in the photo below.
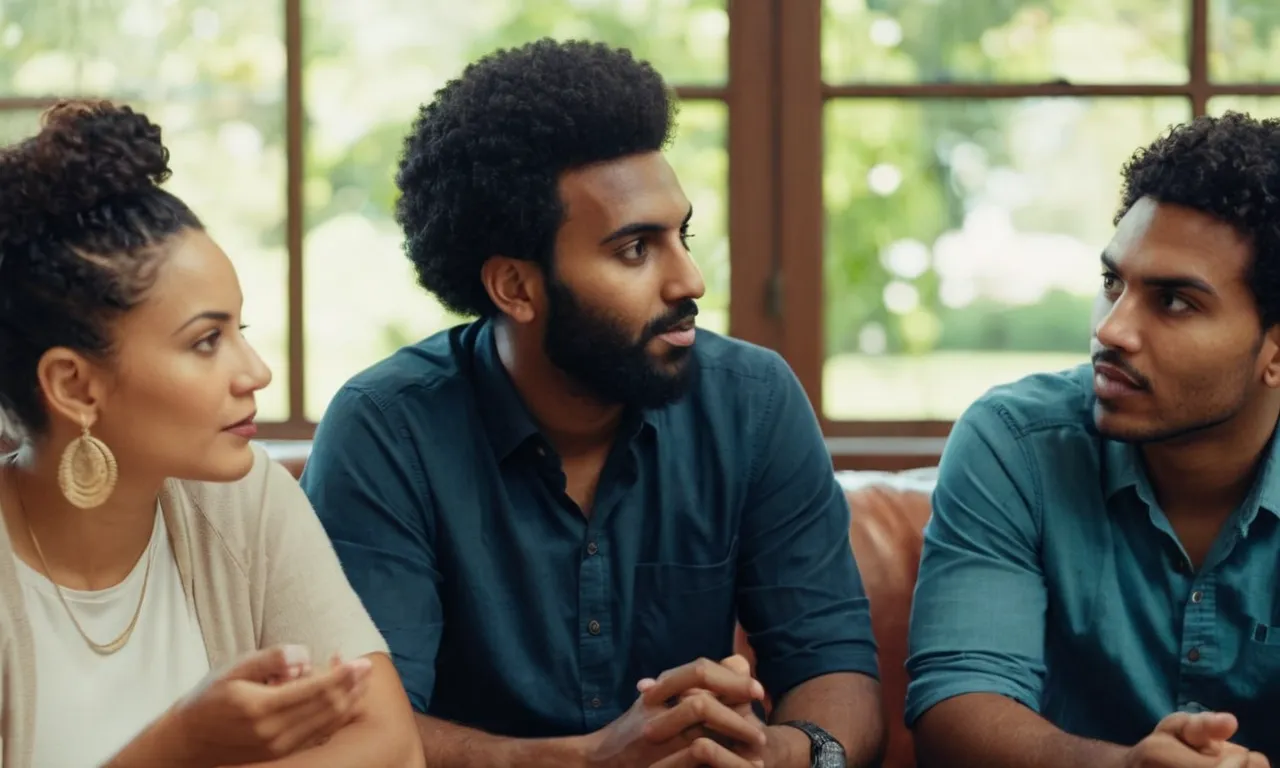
(1166, 282)
(641, 228)
(221, 317)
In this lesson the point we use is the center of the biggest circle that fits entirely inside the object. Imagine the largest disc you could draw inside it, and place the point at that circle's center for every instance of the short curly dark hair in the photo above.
(1227, 167)
(480, 171)
(81, 216)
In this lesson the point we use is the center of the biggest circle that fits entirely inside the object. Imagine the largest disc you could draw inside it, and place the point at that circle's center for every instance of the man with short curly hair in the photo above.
(556, 513)
(1099, 578)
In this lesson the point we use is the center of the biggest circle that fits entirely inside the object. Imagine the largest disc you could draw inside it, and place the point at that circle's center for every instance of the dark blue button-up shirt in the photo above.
(1051, 575)
(508, 610)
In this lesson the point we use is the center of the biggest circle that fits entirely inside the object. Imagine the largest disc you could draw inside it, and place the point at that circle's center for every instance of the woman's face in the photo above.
(178, 397)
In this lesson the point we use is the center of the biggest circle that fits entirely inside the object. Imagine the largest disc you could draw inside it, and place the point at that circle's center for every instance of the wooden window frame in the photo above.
(775, 97)
(750, 132)
(893, 445)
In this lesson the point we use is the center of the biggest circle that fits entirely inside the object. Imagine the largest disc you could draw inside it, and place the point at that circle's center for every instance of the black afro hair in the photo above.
(481, 167)
(1227, 167)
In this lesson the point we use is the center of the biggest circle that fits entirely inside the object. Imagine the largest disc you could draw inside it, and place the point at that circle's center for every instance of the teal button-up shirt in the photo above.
(1051, 576)
(509, 610)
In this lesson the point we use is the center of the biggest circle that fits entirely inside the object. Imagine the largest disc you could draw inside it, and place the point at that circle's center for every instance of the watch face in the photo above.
(830, 755)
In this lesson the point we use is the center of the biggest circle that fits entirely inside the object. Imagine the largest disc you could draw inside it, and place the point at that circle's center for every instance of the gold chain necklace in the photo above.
(99, 648)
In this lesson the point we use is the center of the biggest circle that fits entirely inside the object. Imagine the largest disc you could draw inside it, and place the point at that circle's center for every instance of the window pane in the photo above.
(911, 41)
(228, 161)
(367, 74)
(1258, 106)
(1244, 41)
(963, 240)
(140, 48)
(211, 74)
(18, 124)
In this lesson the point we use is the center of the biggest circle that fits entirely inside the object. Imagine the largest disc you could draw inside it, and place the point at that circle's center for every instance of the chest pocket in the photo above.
(1260, 665)
(682, 612)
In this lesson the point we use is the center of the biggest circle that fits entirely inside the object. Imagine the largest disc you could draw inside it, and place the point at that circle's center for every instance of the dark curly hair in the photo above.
(1227, 167)
(480, 171)
(81, 221)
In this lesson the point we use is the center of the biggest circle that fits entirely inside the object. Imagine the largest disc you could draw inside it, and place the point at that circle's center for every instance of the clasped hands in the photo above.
(1184, 740)
(699, 714)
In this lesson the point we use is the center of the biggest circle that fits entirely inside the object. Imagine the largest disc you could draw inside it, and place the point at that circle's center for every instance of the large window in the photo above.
(285, 120)
(969, 174)
(915, 191)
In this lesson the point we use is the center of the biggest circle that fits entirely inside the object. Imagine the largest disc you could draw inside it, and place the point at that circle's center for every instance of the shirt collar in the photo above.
(506, 419)
(1122, 467)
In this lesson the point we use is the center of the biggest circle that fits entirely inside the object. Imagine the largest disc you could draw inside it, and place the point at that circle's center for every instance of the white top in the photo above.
(89, 706)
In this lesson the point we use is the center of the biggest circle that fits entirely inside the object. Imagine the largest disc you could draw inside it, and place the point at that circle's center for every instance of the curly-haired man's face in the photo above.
(621, 300)
(1178, 348)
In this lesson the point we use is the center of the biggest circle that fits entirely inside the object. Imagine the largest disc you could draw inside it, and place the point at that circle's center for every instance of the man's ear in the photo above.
(1269, 357)
(516, 286)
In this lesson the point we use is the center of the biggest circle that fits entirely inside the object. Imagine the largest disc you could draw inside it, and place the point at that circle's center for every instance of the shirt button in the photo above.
(1193, 655)
(593, 627)
(596, 702)
(592, 548)
(1197, 596)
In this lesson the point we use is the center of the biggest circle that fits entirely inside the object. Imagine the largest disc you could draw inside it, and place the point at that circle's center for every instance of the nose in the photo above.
(1118, 325)
(684, 280)
(254, 374)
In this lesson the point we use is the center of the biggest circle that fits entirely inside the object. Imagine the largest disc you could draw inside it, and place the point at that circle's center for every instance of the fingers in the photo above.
(325, 715)
(1165, 749)
(280, 662)
(706, 711)
(1205, 730)
(722, 681)
(341, 678)
(705, 752)
(737, 663)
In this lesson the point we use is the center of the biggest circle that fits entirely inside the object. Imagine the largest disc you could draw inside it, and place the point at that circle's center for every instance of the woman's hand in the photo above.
(266, 707)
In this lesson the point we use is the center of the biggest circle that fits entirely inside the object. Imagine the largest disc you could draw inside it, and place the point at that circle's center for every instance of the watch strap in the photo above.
(818, 738)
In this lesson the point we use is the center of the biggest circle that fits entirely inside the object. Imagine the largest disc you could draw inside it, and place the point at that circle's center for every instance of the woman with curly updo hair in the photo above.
(163, 584)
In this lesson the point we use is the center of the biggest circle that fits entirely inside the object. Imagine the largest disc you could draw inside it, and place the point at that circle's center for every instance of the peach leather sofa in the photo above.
(889, 512)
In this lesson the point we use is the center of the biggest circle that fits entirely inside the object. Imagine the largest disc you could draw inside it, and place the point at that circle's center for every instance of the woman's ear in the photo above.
(71, 385)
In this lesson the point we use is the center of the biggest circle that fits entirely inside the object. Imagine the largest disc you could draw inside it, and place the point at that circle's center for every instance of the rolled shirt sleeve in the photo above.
(369, 491)
(978, 616)
(800, 597)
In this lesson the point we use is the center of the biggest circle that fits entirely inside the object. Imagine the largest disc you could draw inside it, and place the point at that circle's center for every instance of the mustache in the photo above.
(684, 310)
(1113, 358)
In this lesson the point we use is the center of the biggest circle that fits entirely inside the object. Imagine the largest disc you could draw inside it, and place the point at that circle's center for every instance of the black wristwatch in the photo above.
(824, 750)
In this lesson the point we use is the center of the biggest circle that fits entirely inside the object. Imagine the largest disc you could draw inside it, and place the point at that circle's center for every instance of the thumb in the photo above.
(279, 662)
(1204, 730)
(1238, 760)
(737, 663)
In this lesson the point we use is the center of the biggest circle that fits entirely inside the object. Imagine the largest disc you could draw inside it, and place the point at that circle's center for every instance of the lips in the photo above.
(681, 335)
(1110, 382)
(245, 428)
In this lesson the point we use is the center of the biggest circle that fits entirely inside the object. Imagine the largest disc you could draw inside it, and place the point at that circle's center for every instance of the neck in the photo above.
(1213, 470)
(574, 422)
(84, 548)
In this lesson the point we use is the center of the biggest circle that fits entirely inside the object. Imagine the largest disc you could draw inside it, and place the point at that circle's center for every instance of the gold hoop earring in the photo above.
(87, 473)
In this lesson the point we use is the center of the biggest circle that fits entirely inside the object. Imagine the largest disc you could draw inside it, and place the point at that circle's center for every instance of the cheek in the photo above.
(171, 396)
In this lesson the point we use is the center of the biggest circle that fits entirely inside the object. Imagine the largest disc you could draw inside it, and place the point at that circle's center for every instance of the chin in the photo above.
(223, 464)
(1115, 426)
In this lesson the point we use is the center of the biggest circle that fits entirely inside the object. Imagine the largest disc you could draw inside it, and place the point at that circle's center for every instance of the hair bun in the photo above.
(84, 154)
